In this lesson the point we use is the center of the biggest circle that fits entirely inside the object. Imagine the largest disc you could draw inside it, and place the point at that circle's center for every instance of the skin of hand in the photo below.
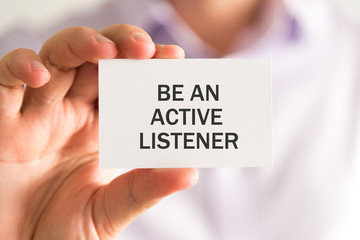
(51, 186)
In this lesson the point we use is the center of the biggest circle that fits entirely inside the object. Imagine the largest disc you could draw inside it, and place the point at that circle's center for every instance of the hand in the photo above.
(51, 187)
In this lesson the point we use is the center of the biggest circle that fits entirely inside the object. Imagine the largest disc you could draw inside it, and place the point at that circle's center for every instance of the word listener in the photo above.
(188, 116)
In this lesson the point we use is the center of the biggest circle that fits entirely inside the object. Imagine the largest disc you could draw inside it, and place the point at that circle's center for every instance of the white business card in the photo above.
(161, 113)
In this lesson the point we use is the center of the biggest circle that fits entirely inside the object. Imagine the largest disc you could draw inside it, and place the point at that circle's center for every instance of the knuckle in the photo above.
(81, 30)
(133, 28)
(123, 27)
(127, 26)
(19, 53)
(134, 198)
(16, 58)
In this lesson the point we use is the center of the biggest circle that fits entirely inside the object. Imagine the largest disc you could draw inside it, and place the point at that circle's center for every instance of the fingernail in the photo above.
(38, 66)
(142, 37)
(101, 39)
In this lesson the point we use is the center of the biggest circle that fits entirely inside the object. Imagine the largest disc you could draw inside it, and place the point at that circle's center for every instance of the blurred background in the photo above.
(37, 14)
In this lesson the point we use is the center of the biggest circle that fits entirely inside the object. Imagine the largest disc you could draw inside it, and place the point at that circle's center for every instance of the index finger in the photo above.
(74, 46)
(62, 54)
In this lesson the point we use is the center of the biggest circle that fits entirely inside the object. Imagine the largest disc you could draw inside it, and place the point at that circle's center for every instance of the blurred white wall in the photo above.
(350, 6)
(42, 13)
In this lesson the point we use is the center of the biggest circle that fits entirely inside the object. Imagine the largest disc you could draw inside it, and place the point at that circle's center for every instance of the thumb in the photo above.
(129, 195)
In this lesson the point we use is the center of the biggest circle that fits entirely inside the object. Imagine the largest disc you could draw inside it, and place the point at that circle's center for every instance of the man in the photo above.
(49, 140)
